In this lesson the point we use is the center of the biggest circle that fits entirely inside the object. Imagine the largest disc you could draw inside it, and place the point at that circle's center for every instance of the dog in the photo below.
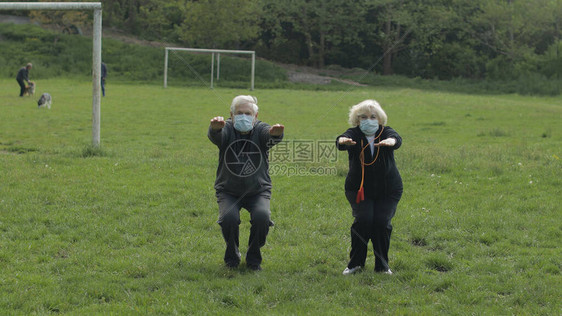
(30, 90)
(45, 101)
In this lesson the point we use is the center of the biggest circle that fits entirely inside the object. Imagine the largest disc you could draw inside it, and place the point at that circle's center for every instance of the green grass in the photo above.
(130, 228)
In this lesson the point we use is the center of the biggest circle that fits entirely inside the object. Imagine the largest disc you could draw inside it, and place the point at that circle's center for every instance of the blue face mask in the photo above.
(243, 123)
(369, 127)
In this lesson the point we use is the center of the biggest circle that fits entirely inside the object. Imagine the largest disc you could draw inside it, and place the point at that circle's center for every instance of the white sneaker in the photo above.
(389, 272)
(349, 271)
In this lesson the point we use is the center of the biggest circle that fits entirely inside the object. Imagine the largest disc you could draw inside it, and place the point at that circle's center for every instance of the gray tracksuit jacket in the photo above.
(243, 167)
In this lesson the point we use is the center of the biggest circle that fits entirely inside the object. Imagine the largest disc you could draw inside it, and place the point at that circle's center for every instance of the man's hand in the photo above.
(276, 130)
(217, 123)
(346, 141)
(387, 142)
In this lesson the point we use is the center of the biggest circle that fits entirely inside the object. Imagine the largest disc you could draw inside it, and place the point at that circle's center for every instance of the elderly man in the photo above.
(243, 176)
(23, 74)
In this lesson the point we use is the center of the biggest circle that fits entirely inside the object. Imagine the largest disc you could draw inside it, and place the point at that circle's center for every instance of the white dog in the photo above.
(45, 101)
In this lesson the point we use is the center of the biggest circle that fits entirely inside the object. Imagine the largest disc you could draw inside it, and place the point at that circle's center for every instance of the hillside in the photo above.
(295, 73)
(131, 59)
(22, 28)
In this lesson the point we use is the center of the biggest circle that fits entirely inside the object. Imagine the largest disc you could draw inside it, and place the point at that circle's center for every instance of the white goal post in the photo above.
(96, 51)
(212, 51)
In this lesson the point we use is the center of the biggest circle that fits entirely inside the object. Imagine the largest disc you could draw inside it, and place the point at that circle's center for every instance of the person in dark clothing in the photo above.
(373, 186)
(103, 75)
(242, 179)
(23, 74)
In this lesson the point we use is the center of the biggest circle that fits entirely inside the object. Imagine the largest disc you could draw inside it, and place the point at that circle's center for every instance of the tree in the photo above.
(513, 28)
(515, 33)
(442, 42)
(390, 22)
(65, 20)
(323, 24)
(219, 23)
(124, 14)
(162, 18)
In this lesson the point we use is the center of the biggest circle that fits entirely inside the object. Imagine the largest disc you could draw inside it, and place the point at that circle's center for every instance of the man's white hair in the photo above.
(244, 99)
(367, 107)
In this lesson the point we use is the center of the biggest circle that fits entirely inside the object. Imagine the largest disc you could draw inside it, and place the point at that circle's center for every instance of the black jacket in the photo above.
(381, 178)
(23, 74)
(103, 71)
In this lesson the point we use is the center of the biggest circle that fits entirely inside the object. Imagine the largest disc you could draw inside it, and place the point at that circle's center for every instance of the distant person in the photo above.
(373, 186)
(103, 75)
(23, 74)
(242, 179)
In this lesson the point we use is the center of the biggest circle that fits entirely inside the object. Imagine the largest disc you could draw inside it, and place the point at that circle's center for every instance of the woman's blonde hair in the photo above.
(366, 107)
(244, 99)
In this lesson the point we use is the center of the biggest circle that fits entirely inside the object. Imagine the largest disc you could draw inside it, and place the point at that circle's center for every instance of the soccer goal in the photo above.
(218, 53)
(96, 50)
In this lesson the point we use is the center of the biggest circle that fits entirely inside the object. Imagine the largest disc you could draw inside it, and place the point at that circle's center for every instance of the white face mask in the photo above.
(243, 123)
(369, 127)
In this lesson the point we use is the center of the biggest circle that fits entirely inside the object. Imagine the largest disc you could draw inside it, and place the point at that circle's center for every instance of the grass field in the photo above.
(131, 228)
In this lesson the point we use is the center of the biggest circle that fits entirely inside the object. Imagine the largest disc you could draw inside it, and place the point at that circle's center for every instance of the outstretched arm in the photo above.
(217, 123)
(346, 141)
(215, 129)
(387, 142)
(276, 130)
(390, 138)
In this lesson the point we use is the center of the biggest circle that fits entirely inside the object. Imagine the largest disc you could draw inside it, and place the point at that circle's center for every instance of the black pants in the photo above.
(229, 220)
(22, 87)
(372, 222)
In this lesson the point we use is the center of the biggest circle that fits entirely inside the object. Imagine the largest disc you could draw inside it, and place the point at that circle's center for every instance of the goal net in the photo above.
(96, 7)
(181, 63)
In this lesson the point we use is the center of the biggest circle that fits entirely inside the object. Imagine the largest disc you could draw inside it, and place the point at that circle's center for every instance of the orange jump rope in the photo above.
(361, 193)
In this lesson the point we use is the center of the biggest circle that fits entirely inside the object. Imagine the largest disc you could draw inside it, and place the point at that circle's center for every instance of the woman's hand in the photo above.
(346, 141)
(387, 142)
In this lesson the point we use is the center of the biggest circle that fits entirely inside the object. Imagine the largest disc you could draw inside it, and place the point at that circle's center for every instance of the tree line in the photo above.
(442, 39)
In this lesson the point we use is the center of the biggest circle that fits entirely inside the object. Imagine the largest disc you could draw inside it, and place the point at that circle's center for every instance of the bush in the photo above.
(537, 84)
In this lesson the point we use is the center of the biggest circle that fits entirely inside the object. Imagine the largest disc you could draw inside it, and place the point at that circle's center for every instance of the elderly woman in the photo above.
(242, 176)
(373, 185)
